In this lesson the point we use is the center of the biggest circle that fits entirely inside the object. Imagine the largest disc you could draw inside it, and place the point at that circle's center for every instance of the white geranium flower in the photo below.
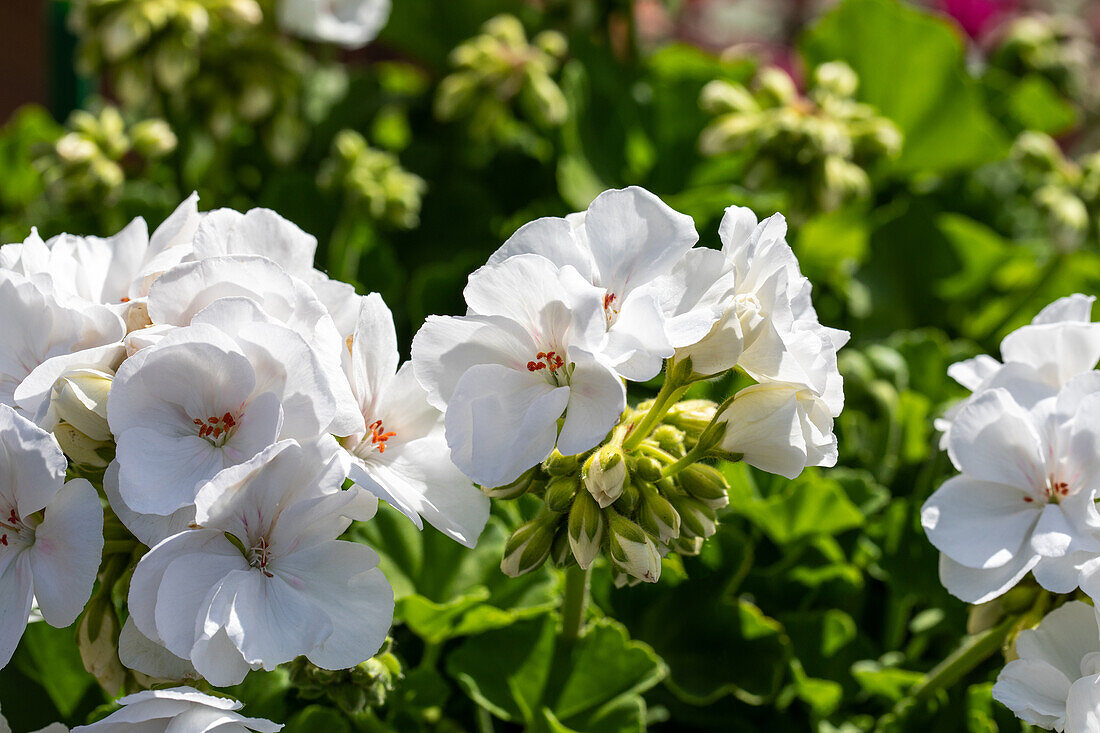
(505, 376)
(181, 709)
(347, 23)
(82, 378)
(400, 452)
(780, 428)
(115, 271)
(51, 532)
(263, 579)
(185, 290)
(623, 244)
(1055, 682)
(208, 396)
(36, 326)
(1059, 344)
(769, 327)
(138, 652)
(1025, 500)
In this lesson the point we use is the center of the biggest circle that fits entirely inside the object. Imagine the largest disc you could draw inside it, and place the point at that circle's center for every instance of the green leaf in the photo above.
(810, 505)
(318, 718)
(889, 682)
(51, 658)
(911, 67)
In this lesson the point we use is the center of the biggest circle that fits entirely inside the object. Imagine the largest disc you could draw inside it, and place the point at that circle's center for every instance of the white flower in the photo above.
(263, 579)
(780, 428)
(51, 532)
(400, 452)
(224, 232)
(623, 244)
(769, 327)
(208, 396)
(36, 327)
(347, 23)
(181, 709)
(1055, 682)
(72, 387)
(116, 270)
(185, 290)
(505, 376)
(1059, 344)
(1025, 498)
(138, 652)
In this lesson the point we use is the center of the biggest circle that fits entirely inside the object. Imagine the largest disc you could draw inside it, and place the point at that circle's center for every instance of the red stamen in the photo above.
(608, 300)
(4, 540)
(1028, 499)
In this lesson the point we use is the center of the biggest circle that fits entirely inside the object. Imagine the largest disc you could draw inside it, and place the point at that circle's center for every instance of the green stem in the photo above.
(484, 720)
(692, 456)
(575, 603)
(671, 391)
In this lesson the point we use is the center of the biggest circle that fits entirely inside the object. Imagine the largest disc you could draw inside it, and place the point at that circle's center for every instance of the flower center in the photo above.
(1054, 491)
(259, 556)
(217, 430)
(379, 436)
(552, 366)
(12, 528)
(611, 308)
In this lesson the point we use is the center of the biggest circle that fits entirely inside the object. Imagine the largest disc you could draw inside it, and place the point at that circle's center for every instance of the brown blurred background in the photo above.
(24, 53)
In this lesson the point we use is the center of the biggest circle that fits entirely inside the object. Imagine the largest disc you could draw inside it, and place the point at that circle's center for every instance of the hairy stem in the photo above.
(575, 603)
(671, 391)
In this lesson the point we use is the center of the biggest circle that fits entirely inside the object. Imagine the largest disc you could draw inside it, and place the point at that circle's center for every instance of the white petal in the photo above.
(15, 604)
(994, 439)
(1083, 705)
(66, 552)
(1058, 350)
(1034, 691)
(976, 586)
(374, 354)
(596, 401)
(555, 239)
(970, 373)
(1064, 637)
(977, 523)
(273, 622)
(1076, 307)
(32, 462)
(150, 529)
(138, 652)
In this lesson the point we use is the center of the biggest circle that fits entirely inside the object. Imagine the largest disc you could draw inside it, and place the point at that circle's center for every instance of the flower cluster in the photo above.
(373, 181)
(826, 139)
(498, 67)
(220, 393)
(1026, 443)
(1064, 193)
(531, 379)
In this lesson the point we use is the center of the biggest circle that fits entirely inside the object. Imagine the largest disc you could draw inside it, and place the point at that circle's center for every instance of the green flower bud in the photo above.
(559, 465)
(657, 515)
(551, 43)
(507, 29)
(455, 95)
(75, 148)
(560, 492)
(243, 12)
(605, 475)
(82, 450)
(1038, 152)
(691, 416)
(647, 468)
(153, 138)
(79, 397)
(586, 528)
(631, 550)
(696, 518)
(256, 101)
(1068, 214)
(544, 98)
(174, 64)
(107, 172)
(705, 483)
(722, 97)
(670, 439)
(561, 553)
(122, 34)
(514, 490)
(628, 502)
(687, 546)
(843, 180)
(837, 78)
(99, 646)
(529, 546)
(730, 134)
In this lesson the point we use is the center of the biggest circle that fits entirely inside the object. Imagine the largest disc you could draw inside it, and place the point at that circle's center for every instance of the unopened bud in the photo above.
(705, 483)
(722, 97)
(1037, 151)
(560, 492)
(507, 29)
(628, 502)
(551, 43)
(586, 528)
(97, 640)
(631, 550)
(605, 475)
(247, 12)
(561, 554)
(696, 518)
(79, 398)
(455, 95)
(836, 77)
(648, 468)
(517, 488)
(657, 515)
(691, 416)
(529, 546)
(687, 546)
(670, 439)
(777, 86)
(544, 99)
(75, 148)
(559, 465)
(153, 138)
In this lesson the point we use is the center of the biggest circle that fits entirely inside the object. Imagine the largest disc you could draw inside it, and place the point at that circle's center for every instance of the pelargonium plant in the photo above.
(1017, 528)
(192, 419)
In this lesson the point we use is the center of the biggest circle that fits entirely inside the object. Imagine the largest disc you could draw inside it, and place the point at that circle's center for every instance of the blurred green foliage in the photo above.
(817, 604)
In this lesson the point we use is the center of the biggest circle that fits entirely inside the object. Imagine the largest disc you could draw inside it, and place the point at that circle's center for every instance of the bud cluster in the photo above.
(214, 60)
(352, 690)
(498, 67)
(373, 180)
(99, 152)
(1057, 48)
(825, 138)
(1065, 192)
(634, 505)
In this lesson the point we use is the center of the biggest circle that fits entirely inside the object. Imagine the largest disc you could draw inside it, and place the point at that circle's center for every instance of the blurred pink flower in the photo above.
(976, 16)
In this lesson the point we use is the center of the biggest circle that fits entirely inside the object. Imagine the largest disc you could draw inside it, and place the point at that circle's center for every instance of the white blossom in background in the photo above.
(178, 710)
(400, 452)
(524, 358)
(263, 579)
(51, 532)
(1025, 500)
(347, 23)
(624, 244)
(1060, 343)
(1055, 681)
